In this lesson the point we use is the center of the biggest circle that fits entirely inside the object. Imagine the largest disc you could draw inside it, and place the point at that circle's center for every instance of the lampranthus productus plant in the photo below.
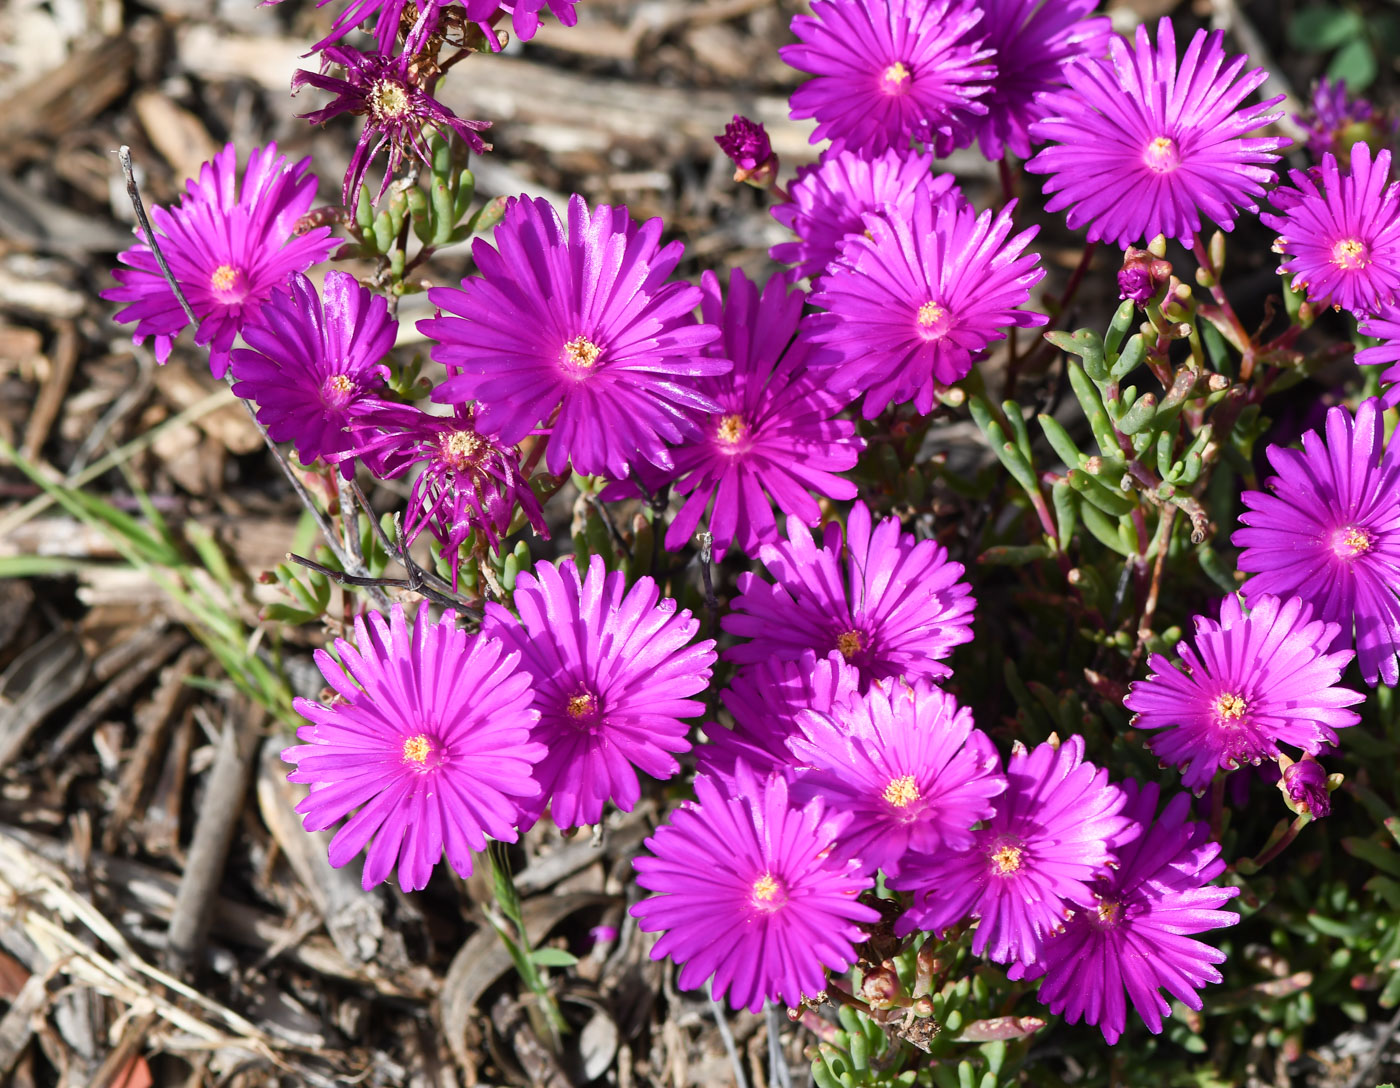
(960, 686)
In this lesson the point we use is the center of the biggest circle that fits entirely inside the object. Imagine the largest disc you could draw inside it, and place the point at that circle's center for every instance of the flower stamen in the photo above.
(732, 428)
(1162, 155)
(1006, 859)
(416, 749)
(1229, 707)
(582, 352)
(1349, 253)
(902, 792)
(849, 643)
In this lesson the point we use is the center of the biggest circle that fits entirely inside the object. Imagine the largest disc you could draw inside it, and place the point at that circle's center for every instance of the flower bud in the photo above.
(746, 143)
(1305, 788)
(1143, 275)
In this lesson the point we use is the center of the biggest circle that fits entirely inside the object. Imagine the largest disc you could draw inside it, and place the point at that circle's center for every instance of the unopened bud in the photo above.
(1305, 787)
(746, 144)
(1143, 275)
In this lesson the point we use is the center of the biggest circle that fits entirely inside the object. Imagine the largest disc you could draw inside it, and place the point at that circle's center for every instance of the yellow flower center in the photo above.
(388, 100)
(1229, 707)
(902, 792)
(340, 383)
(848, 642)
(895, 77)
(582, 352)
(731, 429)
(581, 706)
(1162, 155)
(767, 892)
(1006, 859)
(224, 277)
(417, 749)
(1349, 253)
(1351, 541)
(459, 448)
(1109, 912)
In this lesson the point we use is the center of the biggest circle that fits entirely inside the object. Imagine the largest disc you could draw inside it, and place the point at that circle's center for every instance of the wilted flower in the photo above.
(750, 894)
(429, 741)
(1304, 783)
(1142, 145)
(398, 113)
(228, 246)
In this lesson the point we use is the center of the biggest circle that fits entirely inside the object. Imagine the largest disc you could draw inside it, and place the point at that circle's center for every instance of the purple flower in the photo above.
(469, 482)
(525, 14)
(909, 305)
(899, 610)
(1031, 41)
(1335, 123)
(830, 200)
(1342, 240)
(1057, 828)
(1386, 325)
(429, 740)
(746, 144)
(906, 764)
(765, 700)
(612, 668)
(307, 366)
(750, 894)
(890, 71)
(1304, 783)
(228, 247)
(1134, 940)
(1251, 681)
(776, 436)
(579, 332)
(397, 112)
(1330, 534)
(1143, 146)
(388, 16)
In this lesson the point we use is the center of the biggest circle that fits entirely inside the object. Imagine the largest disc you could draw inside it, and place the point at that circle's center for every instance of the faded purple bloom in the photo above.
(525, 14)
(908, 766)
(308, 365)
(579, 333)
(1143, 274)
(1330, 534)
(909, 305)
(1057, 828)
(776, 437)
(1386, 325)
(899, 609)
(890, 71)
(1251, 681)
(765, 700)
(1305, 784)
(1342, 238)
(746, 144)
(397, 112)
(1336, 122)
(1144, 146)
(1031, 41)
(469, 482)
(228, 247)
(1134, 940)
(429, 741)
(750, 894)
(612, 670)
(830, 200)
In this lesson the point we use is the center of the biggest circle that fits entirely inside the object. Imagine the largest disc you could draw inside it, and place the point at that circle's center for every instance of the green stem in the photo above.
(518, 945)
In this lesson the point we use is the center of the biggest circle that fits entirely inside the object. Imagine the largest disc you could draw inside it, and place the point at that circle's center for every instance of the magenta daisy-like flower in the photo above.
(308, 364)
(910, 305)
(228, 245)
(1341, 240)
(468, 481)
(579, 332)
(1135, 939)
(524, 14)
(765, 700)
(388, 21)
(1336, 121)
(830, 200)
(906, 764)
(750, 894)
(1031, 42)
(1057, 828)
(613, 669)
(1386, 325)
(891, 605)
(398, 113)
(776, 437)
(1252, 681)
(1142, 145)
(886, 72)
(1330, 534)
(429, 740)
